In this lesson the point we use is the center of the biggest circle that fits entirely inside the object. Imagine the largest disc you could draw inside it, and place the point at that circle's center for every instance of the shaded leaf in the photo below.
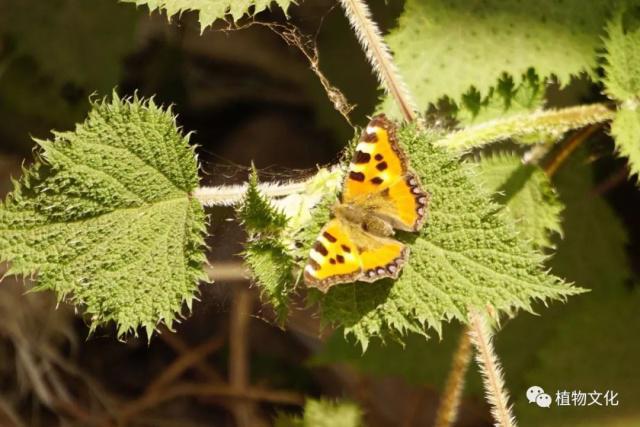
(211, 10)
(622, 44)
(323, 413)
(527, 194)
(444, 47)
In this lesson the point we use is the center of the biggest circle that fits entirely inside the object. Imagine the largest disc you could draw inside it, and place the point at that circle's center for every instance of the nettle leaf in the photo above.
(502, 100)
(622, 82)
(468, 254)
(323, 413)
(622, 44)
(527, 195)
(272, 268)
(256, 213)
(211, 10)
(106, 219)
(265, 254)
(597, 328)
(625, 129)
(444, 47)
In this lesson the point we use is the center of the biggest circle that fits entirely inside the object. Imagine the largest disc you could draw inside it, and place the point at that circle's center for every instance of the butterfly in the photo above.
(380, 193)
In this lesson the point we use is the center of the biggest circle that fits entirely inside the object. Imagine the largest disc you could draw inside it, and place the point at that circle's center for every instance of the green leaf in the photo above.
(276, 229)
(622, 82)
(625, 128)
(468, 254)
(272, 268)
(527, 195)
(106, 218)
(444, 47)
(599, 328)
(256, 213)
(323, 413)
(622, 44)
(211, 10)
(502, 100)
(80, 41)
(589, 343)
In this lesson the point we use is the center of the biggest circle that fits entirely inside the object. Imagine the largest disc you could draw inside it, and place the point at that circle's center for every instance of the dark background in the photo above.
(248, 96)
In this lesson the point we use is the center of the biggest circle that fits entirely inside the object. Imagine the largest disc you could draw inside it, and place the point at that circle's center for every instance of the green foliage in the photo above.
(323, 413)
(99, 31)
(622, 82)
(106, 218)
(211, 10)
(527, 195)
(272, 268)
(622, 68)
(468, 254)
(502, 100)
(444, 47)
(256, 213)
(583, 345)
(626, 131)
(594, 329)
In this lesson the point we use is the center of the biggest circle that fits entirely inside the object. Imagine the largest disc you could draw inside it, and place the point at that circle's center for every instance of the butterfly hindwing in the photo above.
(334, 257)
(344, 253)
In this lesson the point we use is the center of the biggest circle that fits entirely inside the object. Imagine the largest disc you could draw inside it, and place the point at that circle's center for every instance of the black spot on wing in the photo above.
(371, 138)
(378, 157)
(346, 248)
(340, 259)
(361, 157)
(329, 237)
(357, 176)
(319, 247)
(377, 180)
(382, 166)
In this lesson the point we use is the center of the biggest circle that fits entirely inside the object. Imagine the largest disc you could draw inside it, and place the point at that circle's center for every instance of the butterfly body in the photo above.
(380, 194)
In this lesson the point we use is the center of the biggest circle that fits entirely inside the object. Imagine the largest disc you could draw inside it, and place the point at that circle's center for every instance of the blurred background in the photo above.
(249, 96)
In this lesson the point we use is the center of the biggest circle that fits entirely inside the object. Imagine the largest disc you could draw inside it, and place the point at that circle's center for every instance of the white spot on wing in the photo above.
(310, 270)
(316, 256)
(365, 147)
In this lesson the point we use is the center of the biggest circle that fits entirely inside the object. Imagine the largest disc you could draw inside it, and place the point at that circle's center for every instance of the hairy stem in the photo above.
(548, 121)
(496, 392)
(229, 195)
(379, 55)
(450, 400)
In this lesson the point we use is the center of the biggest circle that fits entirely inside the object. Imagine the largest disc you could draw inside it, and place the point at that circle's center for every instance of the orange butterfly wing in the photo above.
(379, 178)
(344, 253)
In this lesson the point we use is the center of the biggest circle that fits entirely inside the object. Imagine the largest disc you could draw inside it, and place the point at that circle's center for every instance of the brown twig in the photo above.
(180, 347)
(239, 354)
(569, 147)
(184, 362)
(450, 400)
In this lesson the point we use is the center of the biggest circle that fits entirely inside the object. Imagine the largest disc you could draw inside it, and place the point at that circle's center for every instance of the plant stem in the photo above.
(571, 145)
(379, 55)
(548, 121)
(450, 401)
(497, 396)
(229, 195)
